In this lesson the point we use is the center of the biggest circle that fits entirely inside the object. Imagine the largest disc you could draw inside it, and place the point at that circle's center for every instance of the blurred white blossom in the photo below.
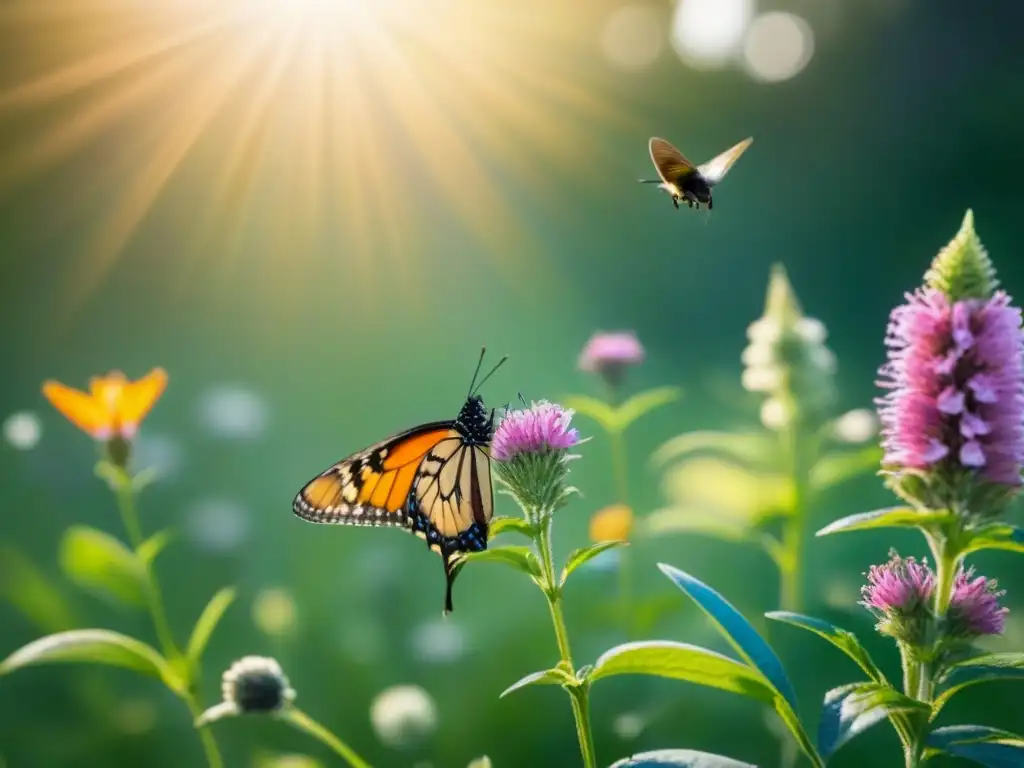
(233, 412)
(403, 716)
(22, 430)
(856, 426)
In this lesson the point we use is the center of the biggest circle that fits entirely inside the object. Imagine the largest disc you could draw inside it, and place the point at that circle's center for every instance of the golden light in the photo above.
(348, 126)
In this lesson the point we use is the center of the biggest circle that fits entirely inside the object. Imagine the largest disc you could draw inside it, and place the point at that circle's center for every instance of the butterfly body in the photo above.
(683, 180)
(433, 480)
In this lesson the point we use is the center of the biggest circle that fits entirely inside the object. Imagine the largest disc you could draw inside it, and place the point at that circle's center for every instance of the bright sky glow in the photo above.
(778, 47)
(708, 33)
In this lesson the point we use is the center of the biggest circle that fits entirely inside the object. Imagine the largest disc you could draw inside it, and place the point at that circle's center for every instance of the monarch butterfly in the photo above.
(685, 181)
(433, 480)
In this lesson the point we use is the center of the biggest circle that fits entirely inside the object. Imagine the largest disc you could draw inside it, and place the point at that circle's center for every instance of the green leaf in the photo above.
(750, 449)
(29, 590)
(579, 556)
(890, 517)
(678, 758)
(598, 410)
(154, 545)
(521, 558)
(736, 629)
(545, 677)
(99, 562)
(842, 639)
(145, 478)
(986, 746)
(681, 661)
(996, 536)
(207, 622)
(835, 468)
(98, 646)
(981, 669)
(500, 525)
(643, 403)
(851, 709)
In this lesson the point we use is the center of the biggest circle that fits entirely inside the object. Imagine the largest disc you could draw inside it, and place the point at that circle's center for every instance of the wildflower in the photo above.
(252, 685)
(974, 609)
(856, 426)
(112, 409)
(403, 715)
(530, 449)
(899, 593)
(613, 523)
(610, 354)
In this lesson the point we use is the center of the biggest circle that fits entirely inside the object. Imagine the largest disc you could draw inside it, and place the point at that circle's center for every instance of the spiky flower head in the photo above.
(610, 354)
(531, 452)
(899, 593)
(252, 685)
(953, 420)
(974, 608)
(787, 358)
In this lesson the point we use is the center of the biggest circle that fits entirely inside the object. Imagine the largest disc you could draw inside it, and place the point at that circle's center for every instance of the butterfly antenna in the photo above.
(476, 373)
(490, 373)
(523, 400)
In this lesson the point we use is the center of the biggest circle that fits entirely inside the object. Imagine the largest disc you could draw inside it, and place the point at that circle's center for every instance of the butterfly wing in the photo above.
(669, 161)
(715, 169)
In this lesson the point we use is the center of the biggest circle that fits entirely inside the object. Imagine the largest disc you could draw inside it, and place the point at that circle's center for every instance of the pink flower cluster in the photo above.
(540, 428)
(902, 584)
(611, 350)
(956, 375)
(975, 608)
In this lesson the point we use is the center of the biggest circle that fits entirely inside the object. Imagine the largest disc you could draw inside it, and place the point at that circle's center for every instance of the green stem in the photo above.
(303, 722)
(213, 757)
(794, 527)
(578, 694)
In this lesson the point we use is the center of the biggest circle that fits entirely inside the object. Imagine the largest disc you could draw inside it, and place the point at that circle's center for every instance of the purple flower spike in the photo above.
(901, 585)
(541, 428)
(974, 609)
(956, 378)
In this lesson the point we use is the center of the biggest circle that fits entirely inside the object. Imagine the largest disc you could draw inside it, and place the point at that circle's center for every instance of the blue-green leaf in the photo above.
(835, 468)
(500, 525)
(519, 557)
(891, 517)
(678, 758)
(99, 562)
(580, 556)
(207, 622)
(154, 545)
(643, 403)
(98, 646)
(981, 669)
(736, 629)
(681, 661)
(842, 639)
(750, 449)
(598, 410)
(545, 677)
(996, 536)
(851, 709)
(986, 746)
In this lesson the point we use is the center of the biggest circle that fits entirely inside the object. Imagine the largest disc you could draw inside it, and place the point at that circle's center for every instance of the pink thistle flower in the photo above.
(956, 378)
(901, 585)
(543, 427)
(609, 354)
(974, 609)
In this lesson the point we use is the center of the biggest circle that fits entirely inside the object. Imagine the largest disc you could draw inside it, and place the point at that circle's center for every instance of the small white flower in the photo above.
(856, 426)
(775, 414)
(762, 379)
(403, 715)
(811, 330)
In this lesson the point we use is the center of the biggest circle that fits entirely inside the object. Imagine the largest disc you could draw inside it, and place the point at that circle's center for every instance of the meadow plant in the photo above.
(111, 413)
(953, 434)
(762, 485)
(608, 356)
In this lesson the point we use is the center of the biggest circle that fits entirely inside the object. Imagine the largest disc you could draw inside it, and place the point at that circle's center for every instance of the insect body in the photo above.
(685, 181)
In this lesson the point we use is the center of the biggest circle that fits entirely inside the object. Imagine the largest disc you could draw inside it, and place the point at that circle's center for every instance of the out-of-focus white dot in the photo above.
(857, 426)
(632, 37)
(274, 612)
(233, 412)
(629, 725)
(219, 525)
(707, 33)
(23, 430)
(778, 46)
(775, 414)
(158, 453)
(762, 379)
(811, 330)
(440, 641)
(403, 716)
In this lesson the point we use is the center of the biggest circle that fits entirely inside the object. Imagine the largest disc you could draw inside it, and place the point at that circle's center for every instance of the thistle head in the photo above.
(252, 685)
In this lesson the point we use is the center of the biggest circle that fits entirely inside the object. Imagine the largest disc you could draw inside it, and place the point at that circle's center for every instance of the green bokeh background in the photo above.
(861, 169)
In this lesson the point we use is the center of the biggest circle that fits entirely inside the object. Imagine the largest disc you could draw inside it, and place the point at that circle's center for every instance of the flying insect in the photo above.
(683, 180)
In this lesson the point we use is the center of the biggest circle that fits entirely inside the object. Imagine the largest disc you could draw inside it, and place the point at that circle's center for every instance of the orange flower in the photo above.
(113, 407)
(613, 523)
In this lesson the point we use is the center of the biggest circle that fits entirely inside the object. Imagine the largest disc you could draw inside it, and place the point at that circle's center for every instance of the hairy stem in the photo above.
(578, 695)
(308, 725)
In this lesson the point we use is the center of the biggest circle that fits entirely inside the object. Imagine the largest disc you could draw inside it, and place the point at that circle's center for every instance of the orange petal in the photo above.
(82, 410)
(107, 390)
(139, 397)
